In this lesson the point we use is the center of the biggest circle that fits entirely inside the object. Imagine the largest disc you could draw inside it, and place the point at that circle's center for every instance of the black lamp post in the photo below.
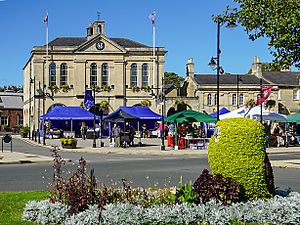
(261, 105)
(31, 81)
(162, 147)
(39, 113)
(216, 65)
(238, 80)
(101, 126)
(101, 118)
(162, 99)
(94, 124)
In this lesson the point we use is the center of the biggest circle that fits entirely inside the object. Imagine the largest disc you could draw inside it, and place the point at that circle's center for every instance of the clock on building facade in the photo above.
(100, 45)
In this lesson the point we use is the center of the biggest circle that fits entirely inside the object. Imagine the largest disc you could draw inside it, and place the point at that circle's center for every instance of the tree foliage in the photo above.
(277, 20)
(269, 67)
(173, 78)
(11, 88)
(270, 104)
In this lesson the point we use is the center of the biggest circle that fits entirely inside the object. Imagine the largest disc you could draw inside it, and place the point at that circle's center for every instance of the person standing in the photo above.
(171, 129)
(131, 135)
(83, 130)
(144, 130)
(116, 135)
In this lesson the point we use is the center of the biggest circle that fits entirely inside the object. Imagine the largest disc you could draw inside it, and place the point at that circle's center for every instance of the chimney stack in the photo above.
(256, 67)
(190, 68)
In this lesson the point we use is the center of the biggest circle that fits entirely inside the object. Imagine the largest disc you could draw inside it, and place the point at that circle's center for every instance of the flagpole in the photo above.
(47, 52)
(45, 78)
(153, 44)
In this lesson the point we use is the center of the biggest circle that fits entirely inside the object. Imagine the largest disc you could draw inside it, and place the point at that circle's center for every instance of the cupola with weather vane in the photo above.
(95, 28)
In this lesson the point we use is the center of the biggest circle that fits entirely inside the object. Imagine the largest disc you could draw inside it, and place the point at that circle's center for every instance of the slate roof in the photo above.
(282, 78)
(67, 41)
(125, 42)
(11, 100)
(168, 88)
(76, 41)
(227, 79)
(276, 78)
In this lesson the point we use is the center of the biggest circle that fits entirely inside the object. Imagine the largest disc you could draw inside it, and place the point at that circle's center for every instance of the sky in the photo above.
(184, 28)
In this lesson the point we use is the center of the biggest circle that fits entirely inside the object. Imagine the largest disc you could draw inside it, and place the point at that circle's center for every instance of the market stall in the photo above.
(187, 136)
(134, 115)
(67, 119)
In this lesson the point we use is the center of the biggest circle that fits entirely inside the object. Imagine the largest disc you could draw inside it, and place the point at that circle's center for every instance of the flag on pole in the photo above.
(152, 18)
(46, 18)
(266, 91)
(88, 99)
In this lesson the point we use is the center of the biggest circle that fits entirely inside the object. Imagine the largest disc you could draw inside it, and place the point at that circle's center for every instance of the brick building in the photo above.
(11, 110)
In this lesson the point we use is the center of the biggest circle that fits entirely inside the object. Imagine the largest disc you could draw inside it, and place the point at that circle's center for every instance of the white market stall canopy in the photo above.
(254, 113)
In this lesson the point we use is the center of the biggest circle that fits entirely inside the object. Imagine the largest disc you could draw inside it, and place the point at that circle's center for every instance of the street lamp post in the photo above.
(162, 147)
(216, 65)
(29, 110)
(237, 91)
(101, 127)
(39, 113)
(218, 69)
(94, 123)
(163, 102)
(261, 105)
(41, 93)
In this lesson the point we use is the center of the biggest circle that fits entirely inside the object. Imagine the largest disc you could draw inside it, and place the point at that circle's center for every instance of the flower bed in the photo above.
(278, 210)
(69, 143)
(211, 199)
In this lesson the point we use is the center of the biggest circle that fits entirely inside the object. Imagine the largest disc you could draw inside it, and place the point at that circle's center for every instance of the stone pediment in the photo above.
(100, 44)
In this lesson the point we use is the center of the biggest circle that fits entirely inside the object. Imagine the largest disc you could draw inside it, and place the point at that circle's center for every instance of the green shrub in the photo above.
(209, 187)
(24, 131)
(183, 194)
(237, 150)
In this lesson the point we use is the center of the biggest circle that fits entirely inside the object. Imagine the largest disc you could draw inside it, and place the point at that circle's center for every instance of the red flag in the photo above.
(266, 91)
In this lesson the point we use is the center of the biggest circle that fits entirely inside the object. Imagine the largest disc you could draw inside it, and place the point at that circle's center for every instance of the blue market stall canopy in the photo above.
(222, 111)
(132, 113)
(68, 113)
(142, 112)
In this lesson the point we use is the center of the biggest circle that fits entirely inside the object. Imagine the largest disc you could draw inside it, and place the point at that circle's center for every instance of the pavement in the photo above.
(149, 147)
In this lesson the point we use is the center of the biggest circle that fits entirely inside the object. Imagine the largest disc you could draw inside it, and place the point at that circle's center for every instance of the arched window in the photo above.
(241, 99)
(145, 75)
(63, 74)
(99, 29)
(93, 75)
(53, 106)
(104, 74)
(209, 103)
(133, 75)
(233, 100)
(52, 74)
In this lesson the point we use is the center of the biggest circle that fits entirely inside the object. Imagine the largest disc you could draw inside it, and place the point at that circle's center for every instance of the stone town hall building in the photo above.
(77, 63)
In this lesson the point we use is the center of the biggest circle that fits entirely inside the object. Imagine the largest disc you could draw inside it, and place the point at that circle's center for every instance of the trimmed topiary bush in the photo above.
(237, 150)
